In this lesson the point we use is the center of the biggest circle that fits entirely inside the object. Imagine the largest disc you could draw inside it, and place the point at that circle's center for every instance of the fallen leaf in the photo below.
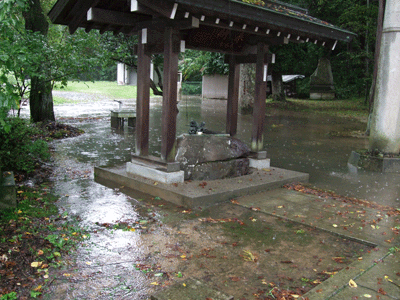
(367, 296)
(38, 288)
(36, 264)
(235, 278)
(381, 291)
(352, 283)
(286, 262)
(154, 283)
(248, 256)
(66, 275)
(334, 225)
(40, 252)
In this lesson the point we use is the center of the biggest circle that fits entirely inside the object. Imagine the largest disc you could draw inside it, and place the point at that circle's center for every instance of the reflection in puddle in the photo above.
(122, 264)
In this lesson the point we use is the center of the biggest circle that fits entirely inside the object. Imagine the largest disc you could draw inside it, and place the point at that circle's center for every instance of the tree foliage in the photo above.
(31, 53)
(195, 64)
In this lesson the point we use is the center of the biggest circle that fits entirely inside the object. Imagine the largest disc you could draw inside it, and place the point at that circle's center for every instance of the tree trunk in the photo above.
(154, 88)
(247, 88)
(40, 98)
(278, 93)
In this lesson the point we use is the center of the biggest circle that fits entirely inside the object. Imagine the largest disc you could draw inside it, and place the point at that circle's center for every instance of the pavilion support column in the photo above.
(257, 138)
(143, 96)
(233, 96)
(170, 89)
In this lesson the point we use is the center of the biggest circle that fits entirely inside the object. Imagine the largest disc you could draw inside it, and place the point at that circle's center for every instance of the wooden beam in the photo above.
(233, 96)
(164, 8)
(250, 59)
(140, 8)
(113, 17)
(168, 125)
(157, 24)
(143, 99)
(257, 139)
(78, 13)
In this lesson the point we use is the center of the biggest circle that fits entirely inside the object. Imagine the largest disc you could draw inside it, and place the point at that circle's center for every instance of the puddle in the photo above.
(229, 247)
(140, 245)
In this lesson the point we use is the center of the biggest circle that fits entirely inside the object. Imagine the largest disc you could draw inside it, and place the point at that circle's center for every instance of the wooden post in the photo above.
(168, 126)
(233, 96)
(143, 96)
(259, 100)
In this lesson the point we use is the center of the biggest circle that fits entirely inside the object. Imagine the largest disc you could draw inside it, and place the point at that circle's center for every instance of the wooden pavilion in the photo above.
(242, 30)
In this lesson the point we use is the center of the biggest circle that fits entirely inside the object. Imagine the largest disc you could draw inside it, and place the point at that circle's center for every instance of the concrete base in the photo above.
(322, 96)
(154, 174)
(375, 163)
(193, 289)
(8, 196)
(260, 164)
(118, 117)
(199, 194)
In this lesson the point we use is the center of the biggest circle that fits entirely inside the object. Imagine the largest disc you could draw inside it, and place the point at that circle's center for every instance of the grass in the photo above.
(352, 108)
(108, 88)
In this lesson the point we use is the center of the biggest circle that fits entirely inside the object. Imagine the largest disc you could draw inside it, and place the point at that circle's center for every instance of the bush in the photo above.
(191, 88)
(18, 151)
(303, 88)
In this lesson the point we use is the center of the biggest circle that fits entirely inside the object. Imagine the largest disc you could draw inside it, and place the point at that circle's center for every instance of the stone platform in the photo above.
(375, 163)
(200, 194)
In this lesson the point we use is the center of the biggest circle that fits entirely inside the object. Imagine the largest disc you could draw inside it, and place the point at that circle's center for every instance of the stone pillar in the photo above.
(385, 127)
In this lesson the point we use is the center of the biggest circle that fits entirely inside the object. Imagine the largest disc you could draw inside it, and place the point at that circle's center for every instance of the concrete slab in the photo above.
(155, 174)
(200, 194)
(370, 226)
(358, 223)
(380, 281)
(259, 164)
(375, 163)
(192, 289)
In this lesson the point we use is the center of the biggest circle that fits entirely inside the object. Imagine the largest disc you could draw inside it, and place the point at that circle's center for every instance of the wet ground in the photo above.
(139, 244)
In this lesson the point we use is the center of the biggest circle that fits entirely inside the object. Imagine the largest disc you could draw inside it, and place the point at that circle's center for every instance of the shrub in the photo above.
(191, 88)
(18, 151)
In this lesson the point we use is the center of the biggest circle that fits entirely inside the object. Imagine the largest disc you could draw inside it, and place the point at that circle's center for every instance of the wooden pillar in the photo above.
(143, 96)
(233, 96)
(259, 100)
(168, 126)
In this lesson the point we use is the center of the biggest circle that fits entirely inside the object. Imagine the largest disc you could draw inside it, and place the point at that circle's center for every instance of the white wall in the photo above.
(215, 86)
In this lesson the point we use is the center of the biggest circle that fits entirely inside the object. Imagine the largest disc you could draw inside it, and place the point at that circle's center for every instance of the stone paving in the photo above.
(377, 274)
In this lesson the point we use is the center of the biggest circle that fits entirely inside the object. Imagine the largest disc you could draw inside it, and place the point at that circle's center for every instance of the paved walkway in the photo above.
(377, 274)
